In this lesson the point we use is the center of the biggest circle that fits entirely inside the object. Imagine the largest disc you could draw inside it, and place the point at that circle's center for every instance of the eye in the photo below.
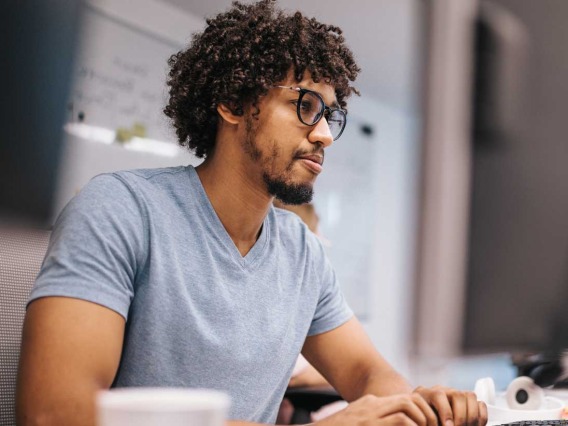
(333, 116)
(307, 105)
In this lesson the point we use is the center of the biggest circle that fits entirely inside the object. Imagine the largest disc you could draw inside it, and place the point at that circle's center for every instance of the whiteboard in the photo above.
(120, 75)
(119, 80)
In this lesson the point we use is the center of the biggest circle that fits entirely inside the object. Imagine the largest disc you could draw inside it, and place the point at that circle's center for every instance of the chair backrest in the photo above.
(21, 255)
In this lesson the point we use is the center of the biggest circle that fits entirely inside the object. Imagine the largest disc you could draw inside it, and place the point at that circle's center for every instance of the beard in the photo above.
(277, 184)
(289, 193)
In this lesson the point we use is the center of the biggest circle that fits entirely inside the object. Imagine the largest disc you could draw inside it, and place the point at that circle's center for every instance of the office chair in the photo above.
(306, 400)
(545, 368)
(21, 255)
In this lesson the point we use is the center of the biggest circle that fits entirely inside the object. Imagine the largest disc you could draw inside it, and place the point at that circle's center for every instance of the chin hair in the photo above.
(294, 194)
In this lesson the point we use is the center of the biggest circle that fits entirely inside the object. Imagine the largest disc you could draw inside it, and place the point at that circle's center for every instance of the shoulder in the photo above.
(124, 194)
(294, 232)
(152, 178)
(133, 185)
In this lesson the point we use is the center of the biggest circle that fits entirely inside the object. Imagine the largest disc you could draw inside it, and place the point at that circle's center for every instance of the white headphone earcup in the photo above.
(485, 390)
(523, 394)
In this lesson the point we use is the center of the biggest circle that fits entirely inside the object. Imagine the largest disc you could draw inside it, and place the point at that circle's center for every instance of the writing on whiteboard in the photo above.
(120, 77)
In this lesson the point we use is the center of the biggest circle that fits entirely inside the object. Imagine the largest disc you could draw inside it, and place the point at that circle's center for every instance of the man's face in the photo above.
(288, 154)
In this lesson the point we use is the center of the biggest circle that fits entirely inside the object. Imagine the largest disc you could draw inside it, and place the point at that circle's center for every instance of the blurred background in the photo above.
(381, 214)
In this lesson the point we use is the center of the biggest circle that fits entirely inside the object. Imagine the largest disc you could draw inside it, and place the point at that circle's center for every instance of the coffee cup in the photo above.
(161, 406)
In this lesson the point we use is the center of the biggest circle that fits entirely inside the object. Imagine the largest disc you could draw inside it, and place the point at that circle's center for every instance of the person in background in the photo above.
(189, 277)
(304, 374)
(306, 212)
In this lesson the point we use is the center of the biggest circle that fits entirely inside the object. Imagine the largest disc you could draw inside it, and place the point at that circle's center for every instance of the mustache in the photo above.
(316, 151)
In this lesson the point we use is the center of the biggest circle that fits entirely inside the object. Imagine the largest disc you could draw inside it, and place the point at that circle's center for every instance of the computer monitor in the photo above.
(492, 258)
(37, 41)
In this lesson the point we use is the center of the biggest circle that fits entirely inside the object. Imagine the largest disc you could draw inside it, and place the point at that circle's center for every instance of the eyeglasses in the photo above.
(311, 108)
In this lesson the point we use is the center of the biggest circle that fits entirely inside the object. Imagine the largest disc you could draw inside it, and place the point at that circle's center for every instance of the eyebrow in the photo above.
(333, 105)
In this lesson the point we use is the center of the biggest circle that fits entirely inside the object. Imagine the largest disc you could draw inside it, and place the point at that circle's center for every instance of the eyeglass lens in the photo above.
(311, 107)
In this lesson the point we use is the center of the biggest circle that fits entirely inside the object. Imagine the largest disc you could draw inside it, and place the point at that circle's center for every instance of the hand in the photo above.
(455, 408)
(395, 410)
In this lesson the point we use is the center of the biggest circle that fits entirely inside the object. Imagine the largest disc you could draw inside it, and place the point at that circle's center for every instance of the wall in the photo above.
(379, 221)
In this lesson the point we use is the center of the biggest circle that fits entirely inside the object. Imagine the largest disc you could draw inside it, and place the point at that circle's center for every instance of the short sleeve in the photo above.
(332, 309)
(96, 247)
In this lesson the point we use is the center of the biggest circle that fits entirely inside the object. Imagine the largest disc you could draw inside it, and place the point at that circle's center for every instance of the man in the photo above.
(189, 277)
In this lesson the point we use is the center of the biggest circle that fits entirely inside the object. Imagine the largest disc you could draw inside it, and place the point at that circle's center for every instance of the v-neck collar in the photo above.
(249, 260)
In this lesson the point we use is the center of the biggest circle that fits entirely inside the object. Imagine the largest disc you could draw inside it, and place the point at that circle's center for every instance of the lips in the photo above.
(312, 162)
(316, 158)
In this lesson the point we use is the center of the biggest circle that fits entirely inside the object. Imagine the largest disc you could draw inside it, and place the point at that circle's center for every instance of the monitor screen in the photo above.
(517, 271)
(492, 258)
(37, 41)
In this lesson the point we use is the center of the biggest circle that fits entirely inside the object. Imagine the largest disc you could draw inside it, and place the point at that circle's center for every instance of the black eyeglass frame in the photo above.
(326, 110)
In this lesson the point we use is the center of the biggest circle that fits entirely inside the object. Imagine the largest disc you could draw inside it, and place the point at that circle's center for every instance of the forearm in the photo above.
(241, 423)
(383, 383)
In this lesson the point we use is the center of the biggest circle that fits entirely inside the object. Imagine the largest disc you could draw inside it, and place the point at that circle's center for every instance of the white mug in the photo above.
(161, 406)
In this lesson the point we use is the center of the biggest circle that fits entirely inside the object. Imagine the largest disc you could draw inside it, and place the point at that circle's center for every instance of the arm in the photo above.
(305, 375)
(70, 349)
(357, 371)
(348, 360)
(309, 377)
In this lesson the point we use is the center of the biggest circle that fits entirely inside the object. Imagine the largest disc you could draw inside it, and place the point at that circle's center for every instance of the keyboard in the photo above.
(563, 422)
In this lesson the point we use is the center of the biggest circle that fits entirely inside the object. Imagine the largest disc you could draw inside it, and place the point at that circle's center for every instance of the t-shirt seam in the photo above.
(347, 315)
(216, 226)
(249, 266)
(151, 173)
(101, 298)
(143, 213)
(206, 208)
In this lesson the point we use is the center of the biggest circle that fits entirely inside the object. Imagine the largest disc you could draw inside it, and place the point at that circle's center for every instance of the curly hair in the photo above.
(239, 56)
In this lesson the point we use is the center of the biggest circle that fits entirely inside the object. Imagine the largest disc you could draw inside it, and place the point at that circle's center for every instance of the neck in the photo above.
(240, 203)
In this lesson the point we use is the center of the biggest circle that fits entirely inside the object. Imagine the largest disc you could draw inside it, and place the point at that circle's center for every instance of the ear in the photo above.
(227, 114)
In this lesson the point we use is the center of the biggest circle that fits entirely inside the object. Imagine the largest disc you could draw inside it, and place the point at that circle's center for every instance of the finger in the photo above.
(413, 411)
(403, 404)
(441, 403)
(459, 408)
(472, 418)
(483, 415)
(397, 419)
(294, 382)
(431, 417)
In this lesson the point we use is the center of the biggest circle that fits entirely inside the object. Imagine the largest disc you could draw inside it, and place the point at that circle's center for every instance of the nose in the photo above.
(321, 133)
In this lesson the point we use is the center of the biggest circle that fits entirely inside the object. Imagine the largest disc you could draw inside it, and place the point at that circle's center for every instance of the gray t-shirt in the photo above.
(149, 245)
